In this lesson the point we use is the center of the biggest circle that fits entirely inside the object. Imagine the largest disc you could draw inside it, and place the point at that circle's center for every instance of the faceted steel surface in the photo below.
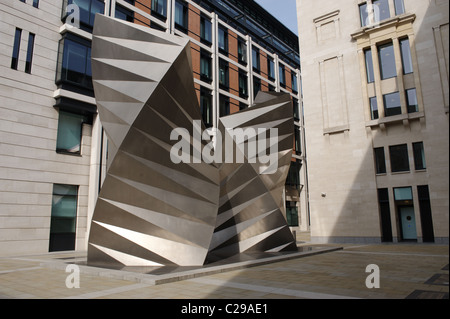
(151, 211)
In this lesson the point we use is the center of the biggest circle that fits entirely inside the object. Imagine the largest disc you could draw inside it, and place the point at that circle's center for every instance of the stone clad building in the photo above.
(376, 103)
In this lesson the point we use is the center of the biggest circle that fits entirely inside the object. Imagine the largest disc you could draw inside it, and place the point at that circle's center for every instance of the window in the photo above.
(205, 30)
(205, 66)
(88, 9)
(243, 87)
(399, 7)
(392, 104)
(298, 142)
(63, 217)
(242, 106)
(406, 56)
(256, 86)
(206, 107)
(426, 219)
(399, 158)
(403, 193)
(16, 49)
(255, 59)
(293, 178)
(223, 40)
(159, 7)
(381, 10)
(373, 108)
(385, 214)
(30, 49)
(296, 109)
(292, 214)
(242, 51)
(380, 162)
(419, 156)
(411, 101)
(271, 68)
(223, 74)
(364, 14)
(369, 66)
(124, 14)
(36, 3)
(387, 61)
(68, 139)
(224, 105)
(181, 16)
(74, 62)
(294, 82)
(282, 76)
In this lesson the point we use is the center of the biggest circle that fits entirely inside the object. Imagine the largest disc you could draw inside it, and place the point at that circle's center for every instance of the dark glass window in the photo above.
(75, 65)
(364, 15)
(369, 65)
(387, 61)
(298, 142)
(224, 105)
(181, 16)
(205, 30)
(399, 7)
(205, 66)
(16, 49)
(243, 86)
(380, 161)
(30, 49)
(373, 108)
(223, 74)
(419, 156)
(294, 82)
(88, 9)
(293, 178)
(385, 215)
(296, 109)
(381, 10)
(68, 138)
(255, 59)
(36, 3)
(282, 76)
(399, 158)
(271, 68)
(124, 14)
(63, 217)
(242, 51)
(425, 213)
(292, 214)
(256, 86)
(392, 104)
(411, 101)
(159, 7)
(223, 40)
(406, 56)
(206, 107)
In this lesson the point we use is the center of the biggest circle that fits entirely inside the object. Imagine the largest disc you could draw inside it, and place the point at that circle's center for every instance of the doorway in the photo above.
(407, 222)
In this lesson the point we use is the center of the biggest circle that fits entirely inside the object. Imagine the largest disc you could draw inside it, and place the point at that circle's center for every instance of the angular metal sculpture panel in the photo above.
(152, 211)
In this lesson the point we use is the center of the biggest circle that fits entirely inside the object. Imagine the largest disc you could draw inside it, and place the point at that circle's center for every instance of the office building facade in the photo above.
(376, 102)
(53, 150)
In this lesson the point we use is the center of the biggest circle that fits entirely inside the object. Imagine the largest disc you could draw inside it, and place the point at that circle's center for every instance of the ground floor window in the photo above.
(292, 213)
(63, 217)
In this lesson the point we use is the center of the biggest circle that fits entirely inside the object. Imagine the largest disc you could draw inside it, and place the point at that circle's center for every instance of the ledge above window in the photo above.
(404, 118)
(395, 21)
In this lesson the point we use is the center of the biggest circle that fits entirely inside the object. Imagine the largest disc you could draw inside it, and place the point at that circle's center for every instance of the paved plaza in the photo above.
(418, 271)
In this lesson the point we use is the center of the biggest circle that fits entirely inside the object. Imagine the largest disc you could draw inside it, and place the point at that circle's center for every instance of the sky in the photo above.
(284, 10)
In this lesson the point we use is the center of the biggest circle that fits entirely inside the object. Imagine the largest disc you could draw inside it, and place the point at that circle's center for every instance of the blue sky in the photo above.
(284, 10)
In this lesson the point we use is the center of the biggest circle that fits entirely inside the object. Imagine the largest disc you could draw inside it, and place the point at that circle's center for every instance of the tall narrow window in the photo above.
(425, 213)
(159, 7)
(298, 142)
(373, 108)
(380, 161)
(387, 61)
(205, 30)
(385, 215)
(256, 86)
(369, 65)
(399, 7)
(271, 68)
(243, 86)
(16, 49)
(224, 105)
(68, 140)
(293, 178)
(399, 158)
(381, 10)
(364, 14)
(223, 74)
(255, 59)
(296, 109)
(411, 101)
(406, 56)
(36, 3)
(419, 156)
(242, 51)
(63, 217)
(205, 66)
(294, 82)
(282, 76)
(181, 16)
(206, 107)
(29, 53)
(392, 104)
(292, 214)
(223, 40)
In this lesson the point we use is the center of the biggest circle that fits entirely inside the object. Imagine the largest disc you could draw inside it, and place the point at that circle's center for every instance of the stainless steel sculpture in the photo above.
(152, 211)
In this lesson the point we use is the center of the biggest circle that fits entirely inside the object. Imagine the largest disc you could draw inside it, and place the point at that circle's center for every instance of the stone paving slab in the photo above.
(412, 271)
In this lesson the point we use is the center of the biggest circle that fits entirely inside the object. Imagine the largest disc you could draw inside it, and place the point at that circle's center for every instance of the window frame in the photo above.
(403, 153)
(16, 49)
(419, 156)
(185, 16)
(385, 64)
(380, 160)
